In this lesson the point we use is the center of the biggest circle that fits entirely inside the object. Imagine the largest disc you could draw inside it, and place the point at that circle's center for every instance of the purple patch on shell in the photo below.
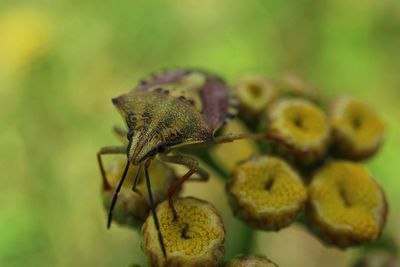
(162, 78)
(215, 96)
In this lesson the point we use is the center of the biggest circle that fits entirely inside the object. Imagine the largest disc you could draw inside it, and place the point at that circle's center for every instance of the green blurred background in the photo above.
(62, 61)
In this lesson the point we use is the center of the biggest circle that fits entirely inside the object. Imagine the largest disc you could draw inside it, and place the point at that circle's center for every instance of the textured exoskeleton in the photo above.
(167, 110)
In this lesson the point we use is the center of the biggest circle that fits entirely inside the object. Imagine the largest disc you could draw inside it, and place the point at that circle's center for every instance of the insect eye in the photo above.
(129, 135)
(161, 147)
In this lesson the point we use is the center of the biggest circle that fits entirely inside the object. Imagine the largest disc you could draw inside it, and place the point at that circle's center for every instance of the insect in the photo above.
(167, 111)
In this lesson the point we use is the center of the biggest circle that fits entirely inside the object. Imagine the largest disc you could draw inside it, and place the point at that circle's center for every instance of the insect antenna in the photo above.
(153, 208)
(115, 195)
(121, 182)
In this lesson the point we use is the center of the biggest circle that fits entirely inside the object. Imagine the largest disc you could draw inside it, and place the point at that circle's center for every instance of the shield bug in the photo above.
(166, 111)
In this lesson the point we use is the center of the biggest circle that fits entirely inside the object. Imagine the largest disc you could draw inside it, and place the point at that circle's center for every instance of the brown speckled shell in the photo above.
(214, 95)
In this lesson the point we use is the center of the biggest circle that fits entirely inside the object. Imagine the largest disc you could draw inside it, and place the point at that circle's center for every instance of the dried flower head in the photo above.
(266, 192)
(133, 207)
(346, 206)
(300, 128)
(250, 261)
(357, 129)
(195, 238)
(295, 86)
(254, 94)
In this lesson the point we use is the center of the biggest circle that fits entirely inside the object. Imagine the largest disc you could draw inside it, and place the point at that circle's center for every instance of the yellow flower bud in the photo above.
(246, 261)
(132, 207)
(346, 206)
(195, 238)
(266, 192)
(295, 86)
(357, 129)
(300, 129)
(254, 94)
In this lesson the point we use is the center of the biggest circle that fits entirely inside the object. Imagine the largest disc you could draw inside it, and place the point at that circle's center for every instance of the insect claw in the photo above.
(137, 191)
(174, 215)
(171, 206)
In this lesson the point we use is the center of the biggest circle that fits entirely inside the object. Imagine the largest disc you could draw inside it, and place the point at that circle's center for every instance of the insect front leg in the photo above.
(104, 151)
(193, 166)
(106, 185)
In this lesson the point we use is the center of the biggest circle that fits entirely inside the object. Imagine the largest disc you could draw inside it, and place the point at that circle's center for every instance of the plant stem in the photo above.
(205, 156)
(240, 241)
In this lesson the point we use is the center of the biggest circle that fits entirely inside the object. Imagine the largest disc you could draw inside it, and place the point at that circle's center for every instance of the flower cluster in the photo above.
(343, 204)
(195, 238)
(308, 168)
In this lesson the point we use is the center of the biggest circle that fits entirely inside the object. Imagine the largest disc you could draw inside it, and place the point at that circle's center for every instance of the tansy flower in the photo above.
(195, 238)
(295, 86)
(254, 94)
(300, 128)
(133, 207)
(357, 129)
(250, 261)
(346, 206)
(266, 192)
(25, 35)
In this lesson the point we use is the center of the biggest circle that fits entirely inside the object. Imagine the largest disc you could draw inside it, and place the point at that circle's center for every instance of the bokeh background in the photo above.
(62, 61)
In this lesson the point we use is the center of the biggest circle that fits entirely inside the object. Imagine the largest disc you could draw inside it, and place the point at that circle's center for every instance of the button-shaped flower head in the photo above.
(357, 129)
(250, 261)
(295, 86)
(266, 192)
(195, 238)
(300, 128)
(254, 94)
(346, 206)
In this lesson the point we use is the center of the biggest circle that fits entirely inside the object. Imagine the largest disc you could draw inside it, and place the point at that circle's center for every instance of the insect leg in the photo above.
(232, 137)
(188, 162)
(193, 166)
(106, 185)
(203, 175)
(108, 150)
(153, 208)
(121, 133)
